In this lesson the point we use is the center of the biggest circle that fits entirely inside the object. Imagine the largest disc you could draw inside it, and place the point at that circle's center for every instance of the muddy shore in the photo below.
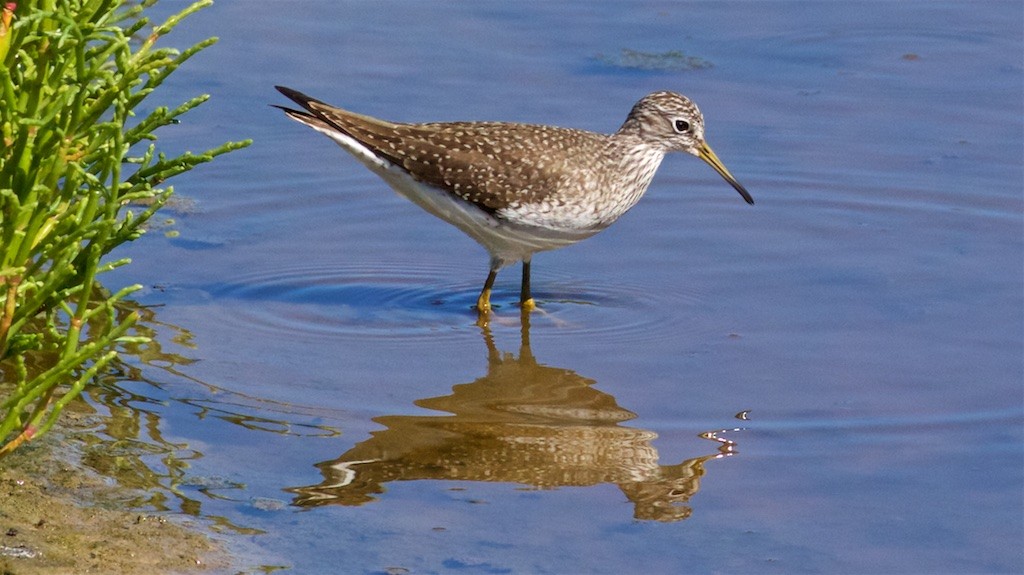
(58, 516)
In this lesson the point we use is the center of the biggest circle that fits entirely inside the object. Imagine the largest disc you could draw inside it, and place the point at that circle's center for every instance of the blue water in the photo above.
(323, 399)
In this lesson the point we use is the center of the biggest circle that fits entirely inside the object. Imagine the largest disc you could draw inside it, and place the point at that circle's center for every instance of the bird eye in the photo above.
(682, 126)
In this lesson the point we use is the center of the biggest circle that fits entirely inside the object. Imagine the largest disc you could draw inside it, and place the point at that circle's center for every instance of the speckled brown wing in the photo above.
(463, 157)
(498, 165)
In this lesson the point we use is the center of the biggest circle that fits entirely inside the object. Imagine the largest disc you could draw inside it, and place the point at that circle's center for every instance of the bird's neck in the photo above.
(638, 161)
(635, 163)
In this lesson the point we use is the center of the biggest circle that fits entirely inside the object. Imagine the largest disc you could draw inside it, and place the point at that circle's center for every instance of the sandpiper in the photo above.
(519, 189)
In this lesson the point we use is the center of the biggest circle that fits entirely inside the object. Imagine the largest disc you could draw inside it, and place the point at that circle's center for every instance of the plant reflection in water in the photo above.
(128, 446)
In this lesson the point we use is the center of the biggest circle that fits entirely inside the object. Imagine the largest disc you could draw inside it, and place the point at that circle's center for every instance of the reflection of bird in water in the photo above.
(523, 422)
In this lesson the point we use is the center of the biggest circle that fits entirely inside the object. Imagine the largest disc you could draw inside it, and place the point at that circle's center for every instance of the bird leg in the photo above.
(483, 303)
(525, 299)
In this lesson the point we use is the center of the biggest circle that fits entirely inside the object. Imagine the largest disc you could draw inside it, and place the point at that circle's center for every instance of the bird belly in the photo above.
(506, 241)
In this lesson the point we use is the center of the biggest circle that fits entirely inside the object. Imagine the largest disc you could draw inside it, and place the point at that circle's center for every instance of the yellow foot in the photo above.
(483, 311)
(483, 303)
(528, 305)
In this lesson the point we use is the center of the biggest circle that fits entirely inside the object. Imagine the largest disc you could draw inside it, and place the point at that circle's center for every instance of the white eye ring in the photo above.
(681, 126)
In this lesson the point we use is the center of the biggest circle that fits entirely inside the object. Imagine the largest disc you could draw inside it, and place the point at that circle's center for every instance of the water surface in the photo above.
(321, 394)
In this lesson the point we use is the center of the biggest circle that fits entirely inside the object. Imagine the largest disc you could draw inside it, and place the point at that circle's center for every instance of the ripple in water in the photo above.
(412, 301)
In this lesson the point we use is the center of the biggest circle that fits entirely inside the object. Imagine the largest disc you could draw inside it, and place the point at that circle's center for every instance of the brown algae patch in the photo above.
(56, 516)
(670, 61)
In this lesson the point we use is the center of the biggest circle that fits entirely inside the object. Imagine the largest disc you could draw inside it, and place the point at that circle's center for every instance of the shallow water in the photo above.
(830, 380)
